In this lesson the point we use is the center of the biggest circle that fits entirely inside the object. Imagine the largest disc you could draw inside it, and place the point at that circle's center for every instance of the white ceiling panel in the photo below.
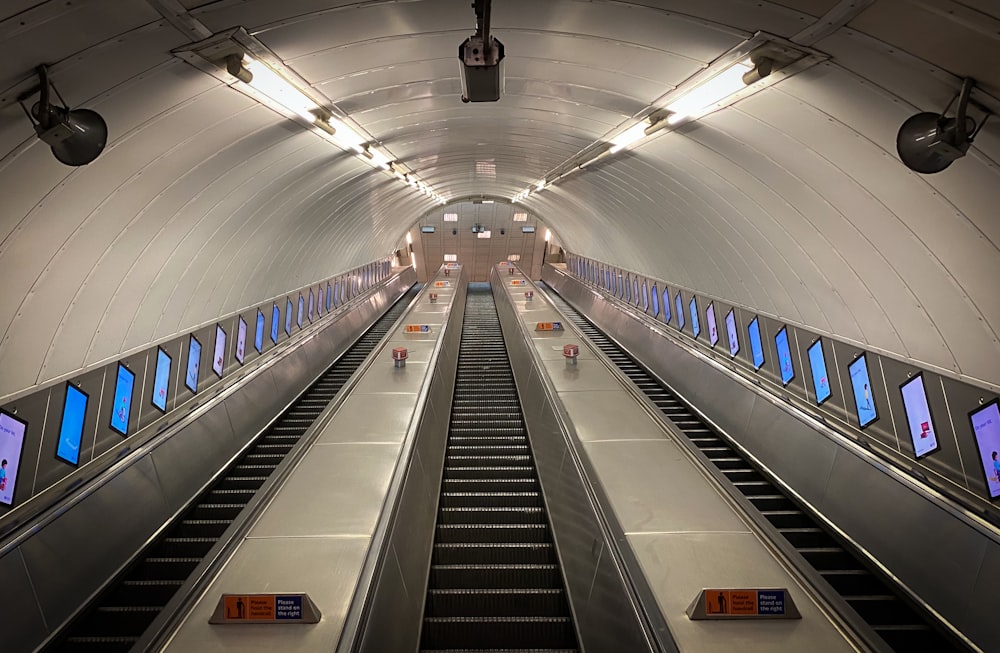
(791, 202)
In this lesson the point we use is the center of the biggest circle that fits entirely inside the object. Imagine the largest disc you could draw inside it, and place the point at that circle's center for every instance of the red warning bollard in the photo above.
(571, 352)
(434, 297)
(399, 356)
(529, 295)
(510, 270)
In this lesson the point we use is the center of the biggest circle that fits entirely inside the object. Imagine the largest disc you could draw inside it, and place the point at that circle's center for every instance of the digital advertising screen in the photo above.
(319, 301)
(645, 296)
(918, 416)
(656, 301)
(985, 426)
(288, 317)
(312, 305)
(635, 291)
(11, 444)
(241, 341)
(275, 321)
(784, 356)
(302, 310)
(614, 283)
(121, 402)
(695, 324)
(817, 365)
(864, 397)
(161, 379)
(756, 348)
(732, 332)
(666, 304)
(219, 354)
(336, 294)
(194, 363)
(258, 338)
(628, 288)
(71, 427)
(679, 305)
(713, 327)
(329, 297)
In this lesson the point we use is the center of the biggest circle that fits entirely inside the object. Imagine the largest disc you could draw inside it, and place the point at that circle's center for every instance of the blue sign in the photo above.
(290, 607)
(770, 602)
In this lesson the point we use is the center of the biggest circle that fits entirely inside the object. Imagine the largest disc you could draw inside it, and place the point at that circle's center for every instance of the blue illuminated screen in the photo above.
(864, 397)
(679, 305)
(288, 317)
(784, 356)
(161, 380)
(275, 321)
(656, 301)
(258, 338)
(121, 402)
(817, 365)
(194, 362)
(666, 304)
(71, 429)
(312, 305)
(329, 296)
(302, 310)
(756, 349)
(695, 324)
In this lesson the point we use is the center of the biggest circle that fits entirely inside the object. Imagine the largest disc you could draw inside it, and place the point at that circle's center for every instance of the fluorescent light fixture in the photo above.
(378, 158)
(279, 89)
(451, 258)
(484, 234)
(487, 201)
(514, 257)
(540, 185)
(548, 235)
(520, 217)
(409, 238)
(451, 217)
(634, 133)
(710, 92)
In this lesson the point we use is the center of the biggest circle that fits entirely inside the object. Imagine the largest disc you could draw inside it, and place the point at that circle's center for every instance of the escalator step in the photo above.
(852, 581)
(503, 576)
(497, 602)
(493, 472)
(492, 533)
(144, 592)
(501, 485)
(500, 632)
(484, 499)
(493, 553)
(100, 644)
(492, 515)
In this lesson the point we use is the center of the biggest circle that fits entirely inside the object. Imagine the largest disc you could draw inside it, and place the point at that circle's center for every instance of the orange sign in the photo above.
(418, 328)
(518, 282)
(548, 326)
(250, 608)
(731, 602)
(442, 284)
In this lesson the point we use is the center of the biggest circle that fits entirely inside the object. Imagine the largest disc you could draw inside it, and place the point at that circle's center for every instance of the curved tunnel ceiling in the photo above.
(791, 201)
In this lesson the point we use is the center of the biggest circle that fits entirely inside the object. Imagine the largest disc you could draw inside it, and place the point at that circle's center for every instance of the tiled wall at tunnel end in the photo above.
(938, 429)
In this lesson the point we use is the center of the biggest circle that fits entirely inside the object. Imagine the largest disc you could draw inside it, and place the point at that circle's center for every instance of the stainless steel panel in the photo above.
(386, 378)
(551, 349)
(580, 377)
(326, 568)
(599, 415)
(782, 442)
(186, 461)
(418, 351)
(337, 489)
(370, 418)
(23, 625)
(653, 487)
(250, 408)
(905, 532)
(980, 623)
(679, 565)
(85, 546)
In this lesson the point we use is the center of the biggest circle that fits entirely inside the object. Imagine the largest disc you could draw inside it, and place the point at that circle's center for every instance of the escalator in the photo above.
(902, 625)
(495, 581)
(117, 619)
